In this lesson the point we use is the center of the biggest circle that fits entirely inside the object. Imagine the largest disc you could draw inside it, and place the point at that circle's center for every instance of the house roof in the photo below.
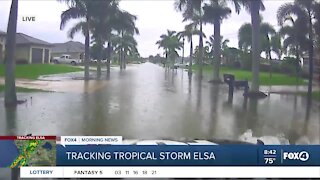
(22, 39)
(26, 39)
(68, 47)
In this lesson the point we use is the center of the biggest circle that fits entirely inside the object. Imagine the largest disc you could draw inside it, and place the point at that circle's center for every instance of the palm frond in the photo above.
(71, 13)
(80, 26)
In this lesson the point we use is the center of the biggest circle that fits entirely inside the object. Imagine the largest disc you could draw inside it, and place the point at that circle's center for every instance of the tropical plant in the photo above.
(189, 31)
(214, 13)
(101, 28)
(295, 38)
(124, 45)
(10, 84)
(207, 55)
(192, 10)
(79, 9)
(224, 46)
(254, 8)
(266, 34)
(170, 43)
(124, 25)
(277, 45)
(308, 10)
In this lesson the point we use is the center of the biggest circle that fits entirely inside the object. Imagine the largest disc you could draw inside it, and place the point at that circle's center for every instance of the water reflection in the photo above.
(10, 120)
(150, 102)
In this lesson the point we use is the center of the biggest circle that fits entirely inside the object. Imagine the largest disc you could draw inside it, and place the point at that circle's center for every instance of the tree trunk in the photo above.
(87, 53)
(109, 57)
(119, 61)
(310, 56)
(191, 54)
(217, 50)
(298, 62)
(183, 51)
(255, 45)
(10, 84)
(200, 50)
(124, 61)
(99, 62)
(270, 63)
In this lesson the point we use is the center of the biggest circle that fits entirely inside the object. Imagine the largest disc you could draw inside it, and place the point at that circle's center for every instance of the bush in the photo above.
(289, 65)
(246, 61)
(22, 61)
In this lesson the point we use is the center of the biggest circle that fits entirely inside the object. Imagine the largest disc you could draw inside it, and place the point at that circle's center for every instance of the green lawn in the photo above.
(20, 89)
(277, 78)
(33, 71)
(316, 95)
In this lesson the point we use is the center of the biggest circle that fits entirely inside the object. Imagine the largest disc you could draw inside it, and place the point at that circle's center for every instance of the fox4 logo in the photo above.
(301, 156)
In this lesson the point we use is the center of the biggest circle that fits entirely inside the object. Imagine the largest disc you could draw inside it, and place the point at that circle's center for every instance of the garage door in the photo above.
(36, 56)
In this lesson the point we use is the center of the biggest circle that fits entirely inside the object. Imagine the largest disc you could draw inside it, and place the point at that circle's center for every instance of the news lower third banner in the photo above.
(19, 151)
(190, 155)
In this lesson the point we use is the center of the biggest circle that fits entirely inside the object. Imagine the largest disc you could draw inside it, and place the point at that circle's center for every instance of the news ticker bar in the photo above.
(170, 172)
(195, 155)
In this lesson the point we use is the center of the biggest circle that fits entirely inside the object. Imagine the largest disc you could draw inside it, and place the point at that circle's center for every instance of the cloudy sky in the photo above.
(154, 18)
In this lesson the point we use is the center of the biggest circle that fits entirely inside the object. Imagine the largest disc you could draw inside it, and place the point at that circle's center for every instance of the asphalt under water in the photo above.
(148, 102)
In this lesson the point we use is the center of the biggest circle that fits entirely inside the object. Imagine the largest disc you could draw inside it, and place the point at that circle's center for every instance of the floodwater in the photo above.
(148, 102)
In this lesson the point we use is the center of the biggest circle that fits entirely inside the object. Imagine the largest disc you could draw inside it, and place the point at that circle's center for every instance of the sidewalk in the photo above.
(287, 89)
(77, 86)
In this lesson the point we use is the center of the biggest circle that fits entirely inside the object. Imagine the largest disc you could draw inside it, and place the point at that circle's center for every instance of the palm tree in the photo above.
(226, 50)
(254, 7)
(79, 9)
(245, 37)
(295, 37)
(189, 31)
(207, 54)
(170, 43)
(265, 35)
(267, 32)
(192, 10)
(101, 27)
(276, 44)
(10, 84)
(317, 24)
(302, 9)
(124, 24)
(214, 13)
(124, 45)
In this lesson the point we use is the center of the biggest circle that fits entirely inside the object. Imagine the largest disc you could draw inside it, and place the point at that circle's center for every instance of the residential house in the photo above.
(74, 49)
(28, 49)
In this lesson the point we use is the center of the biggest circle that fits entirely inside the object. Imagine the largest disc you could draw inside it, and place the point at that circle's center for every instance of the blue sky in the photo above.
(154, 18)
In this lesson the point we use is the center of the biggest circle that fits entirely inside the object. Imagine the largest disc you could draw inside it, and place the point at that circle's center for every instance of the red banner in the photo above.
(28, 137)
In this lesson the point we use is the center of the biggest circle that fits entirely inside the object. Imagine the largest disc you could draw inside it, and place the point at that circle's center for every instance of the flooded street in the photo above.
(147, 102)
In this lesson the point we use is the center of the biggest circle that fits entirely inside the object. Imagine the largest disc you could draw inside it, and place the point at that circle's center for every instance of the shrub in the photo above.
(246, 61)
(290, 65)
(22, 61)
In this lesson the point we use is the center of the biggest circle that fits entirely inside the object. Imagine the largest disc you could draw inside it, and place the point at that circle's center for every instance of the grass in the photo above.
(277, 78)
(315, 94)
(33, 71)
(20, 89)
